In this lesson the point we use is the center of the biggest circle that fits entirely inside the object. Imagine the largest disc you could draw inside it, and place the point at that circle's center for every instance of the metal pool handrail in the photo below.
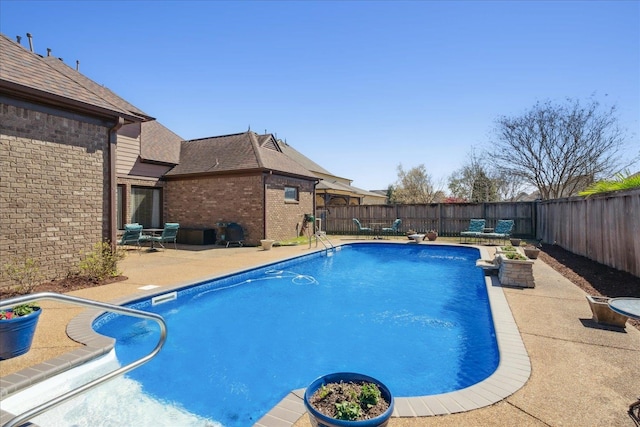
(86, 387)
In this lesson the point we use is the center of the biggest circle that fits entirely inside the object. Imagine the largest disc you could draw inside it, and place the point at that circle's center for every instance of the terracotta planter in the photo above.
(432, 236)
(603, 314)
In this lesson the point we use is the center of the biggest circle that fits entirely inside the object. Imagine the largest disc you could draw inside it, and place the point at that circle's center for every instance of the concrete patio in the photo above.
(581, 374)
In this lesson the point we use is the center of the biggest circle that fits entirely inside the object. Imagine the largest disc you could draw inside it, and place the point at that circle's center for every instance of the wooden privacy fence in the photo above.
(604, 228)
(448, 219)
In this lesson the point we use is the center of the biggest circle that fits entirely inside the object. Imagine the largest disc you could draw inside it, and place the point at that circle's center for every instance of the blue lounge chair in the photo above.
(476, 226)
(131, 235)
(502, 230)
(361, 229)
(394, 229)
(169, 234)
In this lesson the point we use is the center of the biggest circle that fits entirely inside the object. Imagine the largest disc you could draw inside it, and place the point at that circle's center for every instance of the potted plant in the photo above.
(531, 252)
(17, 326)
(432, 235)
(266, 244)
(347, 399)
(514, 241)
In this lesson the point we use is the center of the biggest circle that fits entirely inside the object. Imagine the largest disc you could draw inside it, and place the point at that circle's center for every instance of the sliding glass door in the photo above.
(146, 206)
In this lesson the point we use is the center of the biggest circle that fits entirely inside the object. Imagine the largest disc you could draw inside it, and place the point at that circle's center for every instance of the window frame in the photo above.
(289, 188)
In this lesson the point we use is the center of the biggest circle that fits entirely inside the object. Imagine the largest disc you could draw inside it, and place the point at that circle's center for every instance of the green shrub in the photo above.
(516, 256)
(25, 275)
(101, 263)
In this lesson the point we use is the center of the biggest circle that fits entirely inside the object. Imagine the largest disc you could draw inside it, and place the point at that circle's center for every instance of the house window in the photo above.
(291, 194)
(146, 206)
(120, 211)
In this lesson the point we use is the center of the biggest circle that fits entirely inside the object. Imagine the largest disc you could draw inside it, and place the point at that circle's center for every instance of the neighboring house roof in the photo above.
(240, 152)
(36, 78)
(343, 188)
(330, 182)
(159, 144)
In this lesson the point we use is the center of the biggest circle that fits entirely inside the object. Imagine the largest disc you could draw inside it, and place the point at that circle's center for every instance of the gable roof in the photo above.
(159, 144)
(47, 79)
(302, 159)
(240, 152)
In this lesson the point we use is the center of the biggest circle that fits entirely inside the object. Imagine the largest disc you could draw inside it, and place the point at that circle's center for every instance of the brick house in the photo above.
(77, 162)
(58, 134)
(243, 178)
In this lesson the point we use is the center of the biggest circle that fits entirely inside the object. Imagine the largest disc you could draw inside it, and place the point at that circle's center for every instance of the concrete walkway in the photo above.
(582, 374)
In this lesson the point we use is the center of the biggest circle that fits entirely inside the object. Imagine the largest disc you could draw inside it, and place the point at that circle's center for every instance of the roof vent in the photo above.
(48, 51)
(30, 41)
(18, 38)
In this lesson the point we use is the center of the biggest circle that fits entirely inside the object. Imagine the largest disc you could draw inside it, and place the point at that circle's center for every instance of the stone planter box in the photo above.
(513, 272)
(603, 314)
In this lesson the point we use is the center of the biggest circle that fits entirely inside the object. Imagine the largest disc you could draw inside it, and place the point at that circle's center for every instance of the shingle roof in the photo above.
(28, 74)
(238, 152)
(159, 144)
(326, 184)
(302, 159)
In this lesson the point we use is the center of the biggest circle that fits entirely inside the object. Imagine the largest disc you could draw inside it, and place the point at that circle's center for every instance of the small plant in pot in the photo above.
(17, 327)
(432, 235)
(347, 399)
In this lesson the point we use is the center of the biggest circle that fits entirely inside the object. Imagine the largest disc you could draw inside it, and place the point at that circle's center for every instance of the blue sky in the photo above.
(361, 86)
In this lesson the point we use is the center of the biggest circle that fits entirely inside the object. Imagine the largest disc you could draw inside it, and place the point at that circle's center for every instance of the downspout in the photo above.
(315, 205)
(113, 140)
(264, 204)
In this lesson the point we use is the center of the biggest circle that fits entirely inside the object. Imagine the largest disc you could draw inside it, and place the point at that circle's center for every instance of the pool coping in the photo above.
(514, 368)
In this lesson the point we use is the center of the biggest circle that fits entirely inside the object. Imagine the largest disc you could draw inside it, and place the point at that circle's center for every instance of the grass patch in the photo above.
(301, 240)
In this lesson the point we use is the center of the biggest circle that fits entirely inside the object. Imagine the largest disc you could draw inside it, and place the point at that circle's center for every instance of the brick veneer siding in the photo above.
(284, 219)
(204, 201)
(53, 200)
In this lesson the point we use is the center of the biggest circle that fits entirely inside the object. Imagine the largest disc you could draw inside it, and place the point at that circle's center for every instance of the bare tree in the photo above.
(415, 186)
(476, 181)
(559, 148)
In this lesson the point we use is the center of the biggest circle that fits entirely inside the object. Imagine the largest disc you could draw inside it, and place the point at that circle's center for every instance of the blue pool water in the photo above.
(415, 316)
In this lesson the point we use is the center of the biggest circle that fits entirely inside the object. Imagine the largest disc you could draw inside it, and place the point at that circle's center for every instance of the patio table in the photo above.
(152, 232)
(377, 229)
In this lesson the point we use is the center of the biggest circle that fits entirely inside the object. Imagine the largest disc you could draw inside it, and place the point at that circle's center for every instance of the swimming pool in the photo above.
(265, 303)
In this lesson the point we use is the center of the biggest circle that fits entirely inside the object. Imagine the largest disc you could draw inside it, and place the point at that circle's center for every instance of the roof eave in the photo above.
(35, 95)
